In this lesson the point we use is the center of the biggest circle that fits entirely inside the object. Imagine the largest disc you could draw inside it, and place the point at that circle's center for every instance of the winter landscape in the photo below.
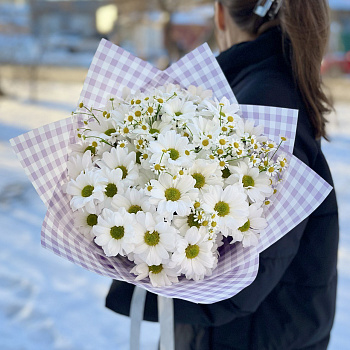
(47, 303)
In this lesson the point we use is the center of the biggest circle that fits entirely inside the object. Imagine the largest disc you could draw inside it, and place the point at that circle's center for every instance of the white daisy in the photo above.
(120, 158)
(78, 163)
(133, 201)
(114, 232)
(253, 227)
(184, 223)
(229, 205)
(255, 184)
(204, 129)
(206, 173)
(114, 184)
(194, 255)
(171, 149)
(179, 109)
(160, 275)
(173, 195)
(85, 221)
(154, 238)
(87, 188)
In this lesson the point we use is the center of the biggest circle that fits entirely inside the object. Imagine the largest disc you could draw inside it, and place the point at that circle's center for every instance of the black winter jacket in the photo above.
(291, 303)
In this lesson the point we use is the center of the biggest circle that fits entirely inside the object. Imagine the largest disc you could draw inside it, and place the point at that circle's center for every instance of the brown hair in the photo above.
(306, 25)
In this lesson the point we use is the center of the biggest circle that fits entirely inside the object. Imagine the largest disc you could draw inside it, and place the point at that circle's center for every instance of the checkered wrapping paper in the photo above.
(43, 154)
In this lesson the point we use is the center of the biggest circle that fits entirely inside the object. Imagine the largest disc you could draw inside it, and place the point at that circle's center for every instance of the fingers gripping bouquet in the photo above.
(167, 176)
(162, 180)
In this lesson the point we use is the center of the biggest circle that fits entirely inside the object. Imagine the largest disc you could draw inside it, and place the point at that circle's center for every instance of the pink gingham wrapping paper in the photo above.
(43, 153)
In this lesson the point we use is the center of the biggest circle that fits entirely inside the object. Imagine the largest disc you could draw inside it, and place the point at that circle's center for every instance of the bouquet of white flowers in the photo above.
(164, 185)
(162, 177)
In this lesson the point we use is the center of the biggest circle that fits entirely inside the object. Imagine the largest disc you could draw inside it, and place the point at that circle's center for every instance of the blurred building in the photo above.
(340, 28)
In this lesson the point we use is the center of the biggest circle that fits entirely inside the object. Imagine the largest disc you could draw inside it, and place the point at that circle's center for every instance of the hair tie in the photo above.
(270, 8)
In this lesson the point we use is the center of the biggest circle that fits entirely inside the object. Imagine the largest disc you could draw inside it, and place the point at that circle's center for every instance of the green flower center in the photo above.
(222, 208)
(156, 268)
(153, 131)
(134, 209)
(87, 191)
(248, 181)
(110, 131)
(172, 194)
(178, 114)
(111, 190)
(225, 173)
(91, 219)
(191, 221)
(200, 180)
(245, 227)
(124, 170)
(192, 251)
(174, 154)
(117, 232)
(90, 148)
(152, 239)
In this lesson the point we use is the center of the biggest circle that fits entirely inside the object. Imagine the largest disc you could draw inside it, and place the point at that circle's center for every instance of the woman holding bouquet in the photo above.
(271, 53)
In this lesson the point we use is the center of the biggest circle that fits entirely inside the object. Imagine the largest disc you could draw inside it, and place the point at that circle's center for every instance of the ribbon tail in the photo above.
(166, 320)
(136, 314)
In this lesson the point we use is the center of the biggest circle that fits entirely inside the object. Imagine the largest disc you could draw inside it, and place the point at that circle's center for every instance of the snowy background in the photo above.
(48, 303)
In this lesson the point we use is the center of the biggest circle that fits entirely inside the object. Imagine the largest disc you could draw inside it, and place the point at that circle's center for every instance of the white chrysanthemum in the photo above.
(85, 189)
(173, 195)
(252, 228)
(133, 201)
(85, 221)
(184, 223)
(120, 158)
(81, 147)
(179, 109)
(105, 129)
(171, 149)
(154, 238)
(206, 173)
(247, 128)
(223, 109)
(255, 184)
(78, 163)
(198, 94)
(194, 255)
(114, 184)
(114, 232)
(119, 114)
(160, 275)
(204, 129)
(229, 205)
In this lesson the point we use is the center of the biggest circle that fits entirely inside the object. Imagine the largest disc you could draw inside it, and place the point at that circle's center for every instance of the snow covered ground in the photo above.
(47, 303)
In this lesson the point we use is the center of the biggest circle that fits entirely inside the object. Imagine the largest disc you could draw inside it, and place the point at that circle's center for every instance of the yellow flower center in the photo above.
(174, 154)
(200, 180)
(225, 173)
(245, 227)
(134, 209)
(152, 239)
(172, 194)
(205, 143)
(222, 208)
(192, 251)
(155, 268)
(124, 170)
(248, 181)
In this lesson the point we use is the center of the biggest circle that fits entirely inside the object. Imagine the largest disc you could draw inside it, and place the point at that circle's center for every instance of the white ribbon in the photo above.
(136, 314)
(165, 317)
(166, 320)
